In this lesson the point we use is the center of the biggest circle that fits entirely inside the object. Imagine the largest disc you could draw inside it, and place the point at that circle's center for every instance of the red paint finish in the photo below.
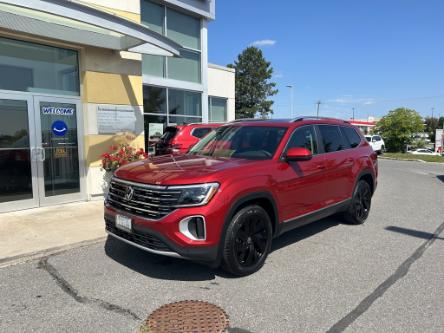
(185, 137)
(294, 188)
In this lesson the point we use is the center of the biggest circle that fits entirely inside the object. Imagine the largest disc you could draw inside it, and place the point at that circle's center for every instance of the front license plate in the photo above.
(123, 222)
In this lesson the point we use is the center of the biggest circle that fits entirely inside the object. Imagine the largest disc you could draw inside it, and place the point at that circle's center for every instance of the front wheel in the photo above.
(247, 241)
(360, 204)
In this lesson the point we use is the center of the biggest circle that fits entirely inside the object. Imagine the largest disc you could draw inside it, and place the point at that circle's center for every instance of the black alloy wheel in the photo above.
(251, 240)
(359, 208)
(247, 241)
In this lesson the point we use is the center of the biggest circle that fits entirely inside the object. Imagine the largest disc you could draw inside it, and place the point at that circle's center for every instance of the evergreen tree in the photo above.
(253, 87)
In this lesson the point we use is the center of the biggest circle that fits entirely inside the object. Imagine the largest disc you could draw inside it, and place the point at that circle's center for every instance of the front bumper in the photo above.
(163, 236)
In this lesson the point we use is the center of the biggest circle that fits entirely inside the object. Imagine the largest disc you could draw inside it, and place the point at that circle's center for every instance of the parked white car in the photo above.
(376, 142)
(423, 151)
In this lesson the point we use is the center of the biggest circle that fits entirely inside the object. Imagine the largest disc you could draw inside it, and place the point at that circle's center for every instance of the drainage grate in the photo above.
(187, 317)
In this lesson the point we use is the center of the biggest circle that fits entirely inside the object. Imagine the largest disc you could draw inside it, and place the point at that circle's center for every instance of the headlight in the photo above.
(195, 195)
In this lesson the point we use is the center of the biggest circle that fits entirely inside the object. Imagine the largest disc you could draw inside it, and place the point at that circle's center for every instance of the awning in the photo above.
(74, 22)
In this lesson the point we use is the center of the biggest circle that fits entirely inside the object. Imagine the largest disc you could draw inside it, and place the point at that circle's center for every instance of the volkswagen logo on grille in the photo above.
(129, 193)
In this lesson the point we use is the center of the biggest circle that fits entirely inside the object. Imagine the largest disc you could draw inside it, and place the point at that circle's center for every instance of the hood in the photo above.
(178, 170)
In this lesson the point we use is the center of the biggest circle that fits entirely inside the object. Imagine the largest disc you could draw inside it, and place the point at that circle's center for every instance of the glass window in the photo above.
(217, 109)
(200, 132)
(353, 138)
(179, 120)
(185, 68)
(153, 65)
(153, 15)
(184, 103)
(247, 142)
(332, 139)
(15, 162)
(33, 67)
(183, 29)
(154, 100)
(304, 137)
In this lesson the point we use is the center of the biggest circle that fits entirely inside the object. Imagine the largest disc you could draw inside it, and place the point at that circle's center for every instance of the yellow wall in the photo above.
(111, 88)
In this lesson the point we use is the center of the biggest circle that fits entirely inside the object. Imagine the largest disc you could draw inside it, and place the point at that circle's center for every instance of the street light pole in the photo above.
(291, 100)
(317, 109)
(353, 116)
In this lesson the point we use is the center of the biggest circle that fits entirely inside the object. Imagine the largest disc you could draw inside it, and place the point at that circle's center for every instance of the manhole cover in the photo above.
(187, 317)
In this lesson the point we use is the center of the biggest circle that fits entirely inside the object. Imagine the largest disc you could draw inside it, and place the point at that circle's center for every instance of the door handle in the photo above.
(320, 166)
(43, 155)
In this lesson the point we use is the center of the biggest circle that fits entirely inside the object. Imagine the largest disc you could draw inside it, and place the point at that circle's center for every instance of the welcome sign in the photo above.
(52, 110)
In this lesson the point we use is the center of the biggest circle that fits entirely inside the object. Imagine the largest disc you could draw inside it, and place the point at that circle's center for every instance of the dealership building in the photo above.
(77, 77)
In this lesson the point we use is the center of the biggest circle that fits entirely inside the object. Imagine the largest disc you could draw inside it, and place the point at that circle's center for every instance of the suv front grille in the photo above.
(145, 240)
(149, 201)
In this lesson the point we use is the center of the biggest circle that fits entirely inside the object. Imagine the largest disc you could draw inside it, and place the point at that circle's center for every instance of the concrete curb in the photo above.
(412, 160)
(22, 258)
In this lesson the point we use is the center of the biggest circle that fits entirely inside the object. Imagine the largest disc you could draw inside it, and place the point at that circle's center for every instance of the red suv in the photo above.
(179, 139)
(244, 184)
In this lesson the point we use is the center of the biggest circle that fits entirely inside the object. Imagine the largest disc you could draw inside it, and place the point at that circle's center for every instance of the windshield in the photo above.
(248, 142)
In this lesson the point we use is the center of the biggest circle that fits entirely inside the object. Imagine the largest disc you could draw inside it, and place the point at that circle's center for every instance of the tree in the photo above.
(253, 87)
(431, 124)
(398, 128)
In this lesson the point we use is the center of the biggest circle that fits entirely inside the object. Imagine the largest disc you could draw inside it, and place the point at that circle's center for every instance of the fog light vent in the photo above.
(193, 227)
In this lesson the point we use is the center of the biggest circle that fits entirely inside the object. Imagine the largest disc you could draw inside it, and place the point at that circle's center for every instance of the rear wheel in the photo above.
(359, 207)
(247, 241)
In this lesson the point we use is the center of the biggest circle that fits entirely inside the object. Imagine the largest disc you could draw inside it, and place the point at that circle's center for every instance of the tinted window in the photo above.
(332, 139)
(377, 138)
(200, 132)
(248, 142)
(353, 138)
(169, 133)
(368, 138)
(304, 137)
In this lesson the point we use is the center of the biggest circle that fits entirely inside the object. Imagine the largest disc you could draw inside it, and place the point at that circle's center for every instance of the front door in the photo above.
(39, 151)
(59, 172)
(18, 167)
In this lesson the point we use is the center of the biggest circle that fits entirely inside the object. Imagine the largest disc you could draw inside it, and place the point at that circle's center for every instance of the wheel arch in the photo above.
(367, 176)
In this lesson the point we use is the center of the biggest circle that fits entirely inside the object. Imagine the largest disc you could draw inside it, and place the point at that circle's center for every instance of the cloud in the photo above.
(264, 42)
(278, 75)
(348, 99)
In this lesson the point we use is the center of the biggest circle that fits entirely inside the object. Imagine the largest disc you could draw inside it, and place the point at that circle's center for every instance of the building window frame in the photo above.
(210, 104)
(166, 74)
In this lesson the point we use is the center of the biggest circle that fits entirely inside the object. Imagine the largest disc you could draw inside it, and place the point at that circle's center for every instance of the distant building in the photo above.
(366, 126)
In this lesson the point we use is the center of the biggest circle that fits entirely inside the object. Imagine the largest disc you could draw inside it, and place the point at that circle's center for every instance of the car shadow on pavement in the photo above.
(440, 177)
(413, 232)
(304, 232)
(167, 268)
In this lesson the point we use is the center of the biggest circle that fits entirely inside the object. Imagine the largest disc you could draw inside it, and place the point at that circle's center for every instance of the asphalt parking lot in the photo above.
(384, 276)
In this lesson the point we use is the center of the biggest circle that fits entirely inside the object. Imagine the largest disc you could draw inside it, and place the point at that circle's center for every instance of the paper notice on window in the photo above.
(155, 130)
(113, 119)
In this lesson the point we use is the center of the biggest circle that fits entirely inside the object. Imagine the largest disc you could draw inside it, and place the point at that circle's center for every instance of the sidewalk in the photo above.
(29, 232)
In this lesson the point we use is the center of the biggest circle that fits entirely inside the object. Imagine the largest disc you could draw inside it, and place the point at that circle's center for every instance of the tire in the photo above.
(247, 241)
(359, 208)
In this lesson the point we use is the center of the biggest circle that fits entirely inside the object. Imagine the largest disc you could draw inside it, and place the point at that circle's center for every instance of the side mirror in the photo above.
(298, 154)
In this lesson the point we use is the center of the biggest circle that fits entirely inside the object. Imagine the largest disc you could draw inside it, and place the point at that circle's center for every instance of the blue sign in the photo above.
(59, 128)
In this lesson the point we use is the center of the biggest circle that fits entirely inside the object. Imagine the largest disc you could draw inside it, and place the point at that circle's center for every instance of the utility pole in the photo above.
(433, 110)
(291, 100)
(353, 115)
(317, 110)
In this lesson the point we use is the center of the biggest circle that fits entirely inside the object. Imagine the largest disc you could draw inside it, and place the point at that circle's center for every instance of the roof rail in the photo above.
(247, 119)
(317, 118)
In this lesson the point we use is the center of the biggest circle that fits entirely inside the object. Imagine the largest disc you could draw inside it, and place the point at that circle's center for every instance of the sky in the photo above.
(371, 55)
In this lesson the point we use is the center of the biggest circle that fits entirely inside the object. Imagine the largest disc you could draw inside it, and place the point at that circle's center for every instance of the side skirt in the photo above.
(305, 219)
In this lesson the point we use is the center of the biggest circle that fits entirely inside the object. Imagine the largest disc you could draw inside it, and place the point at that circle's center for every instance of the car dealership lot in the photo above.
(385, 275)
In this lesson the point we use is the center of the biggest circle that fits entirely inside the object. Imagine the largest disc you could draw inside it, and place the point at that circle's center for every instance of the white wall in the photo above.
(221, 83)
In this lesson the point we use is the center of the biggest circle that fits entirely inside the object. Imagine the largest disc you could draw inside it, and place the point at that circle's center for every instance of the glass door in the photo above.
(18, 166)
(59, 168)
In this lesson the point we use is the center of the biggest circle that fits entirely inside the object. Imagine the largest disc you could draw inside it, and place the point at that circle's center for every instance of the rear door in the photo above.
(299, 188)
(338, 159)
